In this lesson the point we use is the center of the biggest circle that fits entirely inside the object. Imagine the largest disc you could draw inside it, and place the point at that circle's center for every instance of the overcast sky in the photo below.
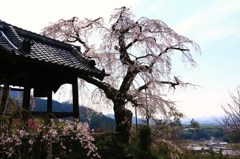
(213, 24)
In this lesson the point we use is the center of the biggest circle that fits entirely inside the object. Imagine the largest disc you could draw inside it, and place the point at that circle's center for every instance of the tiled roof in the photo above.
(20, 42)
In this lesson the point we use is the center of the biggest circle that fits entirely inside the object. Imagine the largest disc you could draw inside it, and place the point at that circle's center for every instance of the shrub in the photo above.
(55, 139)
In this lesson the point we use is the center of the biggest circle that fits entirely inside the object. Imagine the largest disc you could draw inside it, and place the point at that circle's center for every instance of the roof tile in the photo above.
(44, 49)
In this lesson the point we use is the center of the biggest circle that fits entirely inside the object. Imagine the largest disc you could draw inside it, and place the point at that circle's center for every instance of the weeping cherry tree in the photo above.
(137, 55)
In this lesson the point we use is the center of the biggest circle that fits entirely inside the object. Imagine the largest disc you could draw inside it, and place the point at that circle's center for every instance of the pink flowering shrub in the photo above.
(42, 141)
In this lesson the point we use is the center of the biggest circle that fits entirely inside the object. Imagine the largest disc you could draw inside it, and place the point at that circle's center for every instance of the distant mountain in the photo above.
(185, 121)
(96, 120)
(208, 120)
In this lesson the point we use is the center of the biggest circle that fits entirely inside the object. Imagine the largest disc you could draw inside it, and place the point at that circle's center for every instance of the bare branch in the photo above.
(145, 56)
(145, 86)
(131, 43)
(128, 79)
(231, 121)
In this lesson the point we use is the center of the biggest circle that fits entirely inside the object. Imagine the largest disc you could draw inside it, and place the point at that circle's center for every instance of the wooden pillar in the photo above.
(49, 102)
(26, 96)
(5, 94)
(75, 98)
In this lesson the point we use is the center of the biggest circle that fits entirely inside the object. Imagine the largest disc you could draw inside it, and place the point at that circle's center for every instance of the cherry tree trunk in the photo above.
(123, 118)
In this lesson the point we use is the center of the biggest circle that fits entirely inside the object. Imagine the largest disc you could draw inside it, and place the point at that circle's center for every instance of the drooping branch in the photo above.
(164, 52)
(143, 87)
(73, 30)
(172, 84)
(90, 23)
(87, 48)
(175, 83)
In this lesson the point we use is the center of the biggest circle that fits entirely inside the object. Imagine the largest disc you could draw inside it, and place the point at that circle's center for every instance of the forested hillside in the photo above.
(96, 120)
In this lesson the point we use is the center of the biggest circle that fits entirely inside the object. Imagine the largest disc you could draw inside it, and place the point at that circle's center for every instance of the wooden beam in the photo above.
(5, 94)
(2, 78)
(26, 96)
(17, 76)
(75, 98)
